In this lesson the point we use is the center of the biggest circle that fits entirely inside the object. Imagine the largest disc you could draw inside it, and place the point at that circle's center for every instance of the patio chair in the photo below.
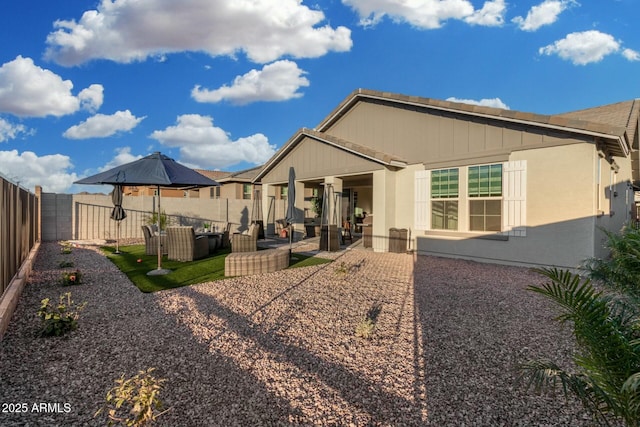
(281, 225)
(184, 245)
(151, 242)
(247, 241)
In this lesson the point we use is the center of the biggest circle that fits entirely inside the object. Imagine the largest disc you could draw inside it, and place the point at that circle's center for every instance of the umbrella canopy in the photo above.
(118, 213)
(291, 197)
(291, 204)
(154, 169)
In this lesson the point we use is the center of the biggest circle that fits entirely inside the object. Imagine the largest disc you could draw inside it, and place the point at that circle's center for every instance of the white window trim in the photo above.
(514, 202)
(422, 200)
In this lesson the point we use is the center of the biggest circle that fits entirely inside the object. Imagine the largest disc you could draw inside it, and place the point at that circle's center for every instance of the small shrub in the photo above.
(70, 278)
(65, 264)
(367, 326)
(342, 268)
(153, 220)
(134, 401)
(65, 248)
(61, 319)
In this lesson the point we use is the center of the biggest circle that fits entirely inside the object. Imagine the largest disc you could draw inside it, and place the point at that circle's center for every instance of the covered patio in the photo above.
(352, 182)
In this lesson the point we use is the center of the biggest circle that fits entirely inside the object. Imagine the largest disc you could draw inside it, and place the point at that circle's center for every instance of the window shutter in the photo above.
(422, 188)
(514, 208)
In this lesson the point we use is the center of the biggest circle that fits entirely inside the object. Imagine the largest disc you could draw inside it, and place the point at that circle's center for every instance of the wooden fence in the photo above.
(19, 228)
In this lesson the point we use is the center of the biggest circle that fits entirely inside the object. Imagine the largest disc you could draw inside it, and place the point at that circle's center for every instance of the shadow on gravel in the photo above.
(476, 323)
(369, 397)
(202, 389)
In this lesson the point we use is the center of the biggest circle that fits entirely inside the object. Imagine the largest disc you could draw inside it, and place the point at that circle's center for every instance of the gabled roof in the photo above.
(621, 114)
(246, 175)
(213, 174)
(613, 134)
(358, 150)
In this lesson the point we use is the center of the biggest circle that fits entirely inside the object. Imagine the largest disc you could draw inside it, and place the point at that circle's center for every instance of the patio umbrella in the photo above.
(154, 169)
(291, 204)
(118, 213)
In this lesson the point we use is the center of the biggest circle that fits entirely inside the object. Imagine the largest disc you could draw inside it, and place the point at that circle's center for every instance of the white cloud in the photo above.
(428, 14)
(631, 55)
(30, 91)
(12, 131)
(583, 48)
(126, 31)
(209, 147)
(102, 125)
(91, 98)
(122, 157)
(545, 13)
(485, 102)
(29, 169)
(278, 81)
(491, 14)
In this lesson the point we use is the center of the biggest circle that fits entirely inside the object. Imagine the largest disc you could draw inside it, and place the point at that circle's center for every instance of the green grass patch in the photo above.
(135, 264)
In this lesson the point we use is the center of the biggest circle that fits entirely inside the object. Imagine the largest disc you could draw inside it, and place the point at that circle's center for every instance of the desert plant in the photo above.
(134, 401)
(60, 319)
(606, 324)
(342, 268)
(70, 278)
(367, 325)
(153, 219)
(316, 205)
(65, 264)
(65, 248)
(619, 271)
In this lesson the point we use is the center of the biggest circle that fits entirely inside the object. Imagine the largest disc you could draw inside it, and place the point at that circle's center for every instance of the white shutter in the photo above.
(422, 217)
(514, 205)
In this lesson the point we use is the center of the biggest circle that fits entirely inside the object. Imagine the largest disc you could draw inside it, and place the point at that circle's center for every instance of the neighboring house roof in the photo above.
(357, 149)
(614, 133)
(246, 175)
(215, 175)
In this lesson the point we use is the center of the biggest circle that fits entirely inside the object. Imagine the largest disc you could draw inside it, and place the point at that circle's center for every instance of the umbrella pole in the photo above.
(159, 271)
(117, 237)
(159, 234)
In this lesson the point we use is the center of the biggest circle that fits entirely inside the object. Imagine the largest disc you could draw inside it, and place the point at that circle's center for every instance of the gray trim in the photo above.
(464, 235)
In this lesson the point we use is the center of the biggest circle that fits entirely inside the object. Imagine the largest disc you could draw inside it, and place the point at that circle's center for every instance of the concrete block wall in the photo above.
(87, 216)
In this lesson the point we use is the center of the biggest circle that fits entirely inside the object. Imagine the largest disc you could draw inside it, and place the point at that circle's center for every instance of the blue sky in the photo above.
(222, 84)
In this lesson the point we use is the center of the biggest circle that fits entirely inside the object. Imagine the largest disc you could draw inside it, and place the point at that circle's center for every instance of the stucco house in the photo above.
(467, 181)
(233, 185)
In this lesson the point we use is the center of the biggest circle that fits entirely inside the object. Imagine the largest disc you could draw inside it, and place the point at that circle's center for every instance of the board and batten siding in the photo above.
(440, 139)
(313, 159)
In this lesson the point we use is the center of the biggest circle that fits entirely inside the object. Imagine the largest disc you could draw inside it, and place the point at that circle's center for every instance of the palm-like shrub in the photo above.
(606, 325)
(620, 272)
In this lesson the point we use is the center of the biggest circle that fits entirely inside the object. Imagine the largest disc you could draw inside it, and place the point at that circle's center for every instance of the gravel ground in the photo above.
(280, 349)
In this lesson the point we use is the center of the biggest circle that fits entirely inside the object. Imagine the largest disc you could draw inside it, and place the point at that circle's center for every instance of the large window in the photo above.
(485, 198)
(444, 199)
